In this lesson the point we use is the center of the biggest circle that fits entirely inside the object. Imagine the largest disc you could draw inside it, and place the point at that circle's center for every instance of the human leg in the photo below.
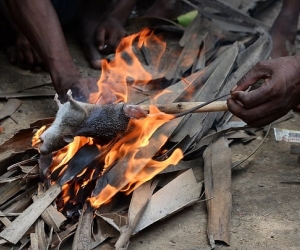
(284, 28)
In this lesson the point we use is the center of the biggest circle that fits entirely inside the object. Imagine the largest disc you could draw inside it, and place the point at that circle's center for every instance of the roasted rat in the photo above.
(102, 122)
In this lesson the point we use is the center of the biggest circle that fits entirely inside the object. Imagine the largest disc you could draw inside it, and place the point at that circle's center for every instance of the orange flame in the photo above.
(63, 156)
(151, 169)
(129, 145)
(112, 87)
(126, 67)
(36, 138)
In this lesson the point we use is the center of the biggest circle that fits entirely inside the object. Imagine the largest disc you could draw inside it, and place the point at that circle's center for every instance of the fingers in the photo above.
(259, 71)
(107, 41)
(297, 108)
(101, 34)
(24, 51)
(38, 63)
(25, 57)
(265, 93)
(278, 94)
(109, 36)
(257, 116)
(115, 38)
(82, 89)
(37, 59)
(11, 54)
(92, 54)
(269, 91)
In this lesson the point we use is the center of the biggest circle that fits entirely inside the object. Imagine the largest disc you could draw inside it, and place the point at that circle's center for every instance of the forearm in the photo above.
(38, 21)
(123, 10)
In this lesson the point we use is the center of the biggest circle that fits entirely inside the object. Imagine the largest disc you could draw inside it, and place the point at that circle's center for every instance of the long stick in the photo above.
(178, 107)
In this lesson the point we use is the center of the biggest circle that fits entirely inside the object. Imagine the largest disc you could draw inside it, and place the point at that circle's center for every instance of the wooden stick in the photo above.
(178, 107)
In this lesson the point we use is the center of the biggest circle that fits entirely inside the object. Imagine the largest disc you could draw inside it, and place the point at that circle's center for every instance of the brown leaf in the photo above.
(9, 108)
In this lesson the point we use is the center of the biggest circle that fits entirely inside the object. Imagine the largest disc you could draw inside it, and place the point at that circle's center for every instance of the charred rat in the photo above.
(102, 122)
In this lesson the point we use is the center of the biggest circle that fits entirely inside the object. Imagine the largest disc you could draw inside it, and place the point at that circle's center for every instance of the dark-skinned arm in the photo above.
(38, 21)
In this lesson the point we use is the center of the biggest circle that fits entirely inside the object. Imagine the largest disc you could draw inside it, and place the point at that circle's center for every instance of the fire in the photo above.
(139, 135)
(127, 67)
(112, 86)
(150, 170)
(36, 138)
(63, 156)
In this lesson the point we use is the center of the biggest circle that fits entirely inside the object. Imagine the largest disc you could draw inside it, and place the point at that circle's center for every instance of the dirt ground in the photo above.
(265, 211)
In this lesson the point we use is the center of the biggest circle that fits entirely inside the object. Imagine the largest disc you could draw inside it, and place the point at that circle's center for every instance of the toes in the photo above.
(92, 54)
(95, 63)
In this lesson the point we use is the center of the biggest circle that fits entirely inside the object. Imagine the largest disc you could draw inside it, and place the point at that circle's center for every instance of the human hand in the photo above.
(278, 95)
(81, 88)
(109, 34)
(23, 55)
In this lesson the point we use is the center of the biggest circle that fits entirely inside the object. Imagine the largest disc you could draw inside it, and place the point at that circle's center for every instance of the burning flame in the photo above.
(127, 67)
(36, 138)
(112, 87)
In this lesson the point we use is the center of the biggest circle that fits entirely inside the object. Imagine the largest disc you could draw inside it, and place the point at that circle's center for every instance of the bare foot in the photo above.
(22, 54)
(18, 48)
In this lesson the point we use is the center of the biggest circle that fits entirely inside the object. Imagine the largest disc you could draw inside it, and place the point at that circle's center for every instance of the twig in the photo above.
(29, 171)
(208, 199)
(14, 120)
(263, 140)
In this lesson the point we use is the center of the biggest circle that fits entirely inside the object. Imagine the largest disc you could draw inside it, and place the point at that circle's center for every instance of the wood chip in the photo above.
(9, 108)
(52, 217)
(181, 192)
(139, 201)
(40, 231)
(20, 142)
(60, 237)
(6, 222)
(82, 239)
(8, 190)
(34, 241)
(189, 53)
(217, 182)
